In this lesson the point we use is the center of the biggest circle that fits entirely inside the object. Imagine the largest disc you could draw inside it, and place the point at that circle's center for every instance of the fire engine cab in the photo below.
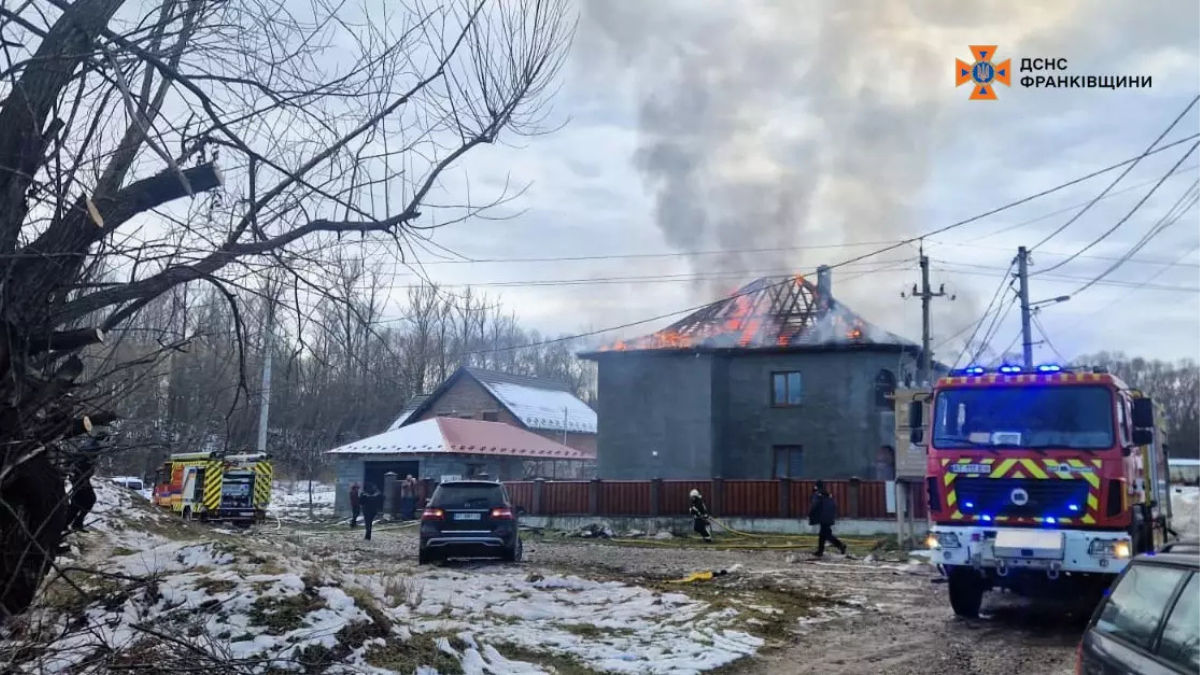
(1040, 480)
(215, 486)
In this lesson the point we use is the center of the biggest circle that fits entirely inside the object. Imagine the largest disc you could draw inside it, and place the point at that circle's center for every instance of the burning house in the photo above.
(778, 380)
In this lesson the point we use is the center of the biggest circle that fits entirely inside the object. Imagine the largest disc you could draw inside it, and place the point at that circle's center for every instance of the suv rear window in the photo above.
(1136, 606)
(468, 496)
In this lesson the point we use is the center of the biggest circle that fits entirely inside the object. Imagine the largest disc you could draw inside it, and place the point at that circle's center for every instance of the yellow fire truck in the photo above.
(213, 486)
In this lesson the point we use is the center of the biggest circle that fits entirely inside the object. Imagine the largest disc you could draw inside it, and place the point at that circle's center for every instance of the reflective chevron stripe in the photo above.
(214, 474)
(1035, 469)
(263, 475)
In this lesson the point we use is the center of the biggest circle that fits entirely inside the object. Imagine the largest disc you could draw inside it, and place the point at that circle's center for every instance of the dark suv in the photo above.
(1150, 620)
(469, 518)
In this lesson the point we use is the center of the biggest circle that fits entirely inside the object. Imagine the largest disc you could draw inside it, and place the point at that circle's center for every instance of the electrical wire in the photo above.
(997, 322)
(1172, 216)
(979, 324)
(932, 233)
(1122, 221)
(1046, 338)
(1119, 178)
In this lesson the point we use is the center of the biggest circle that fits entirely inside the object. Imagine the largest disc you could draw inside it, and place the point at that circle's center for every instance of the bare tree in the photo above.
(286, 126)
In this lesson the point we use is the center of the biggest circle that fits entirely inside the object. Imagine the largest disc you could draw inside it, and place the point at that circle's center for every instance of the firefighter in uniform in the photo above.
(701, 520)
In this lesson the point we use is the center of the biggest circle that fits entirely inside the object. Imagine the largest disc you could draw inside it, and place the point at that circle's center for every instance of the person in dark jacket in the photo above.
(371, 501)
(83, 495)
(822, 511)
(354, 505)
(700, 518)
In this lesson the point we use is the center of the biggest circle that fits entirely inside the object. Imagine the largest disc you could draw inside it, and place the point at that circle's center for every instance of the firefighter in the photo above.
(354, 505)
(822, 511)
(371, 501)
(80, 472)
(701, 520)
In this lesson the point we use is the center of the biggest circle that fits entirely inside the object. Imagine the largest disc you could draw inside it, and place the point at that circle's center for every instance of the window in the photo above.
(1123, 420)
(789, 461)
(1050, 417)
(473, 469)
(1181, 636)
(491, 416)
(1136, 605)
(785, 389)
(885, 386)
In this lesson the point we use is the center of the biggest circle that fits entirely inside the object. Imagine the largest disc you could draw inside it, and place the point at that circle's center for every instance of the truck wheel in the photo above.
(966, 593)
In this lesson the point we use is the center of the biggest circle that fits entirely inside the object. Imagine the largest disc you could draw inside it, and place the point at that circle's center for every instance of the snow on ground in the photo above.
(145, 587)
(290, 501)
(1185, 511)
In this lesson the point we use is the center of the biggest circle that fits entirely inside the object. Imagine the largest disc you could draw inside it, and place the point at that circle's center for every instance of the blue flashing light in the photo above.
(969, 505)
(1050, 520)
(1049, 368)
(1073, 507)
(1008, 368)
(975, 370)
(986, 518)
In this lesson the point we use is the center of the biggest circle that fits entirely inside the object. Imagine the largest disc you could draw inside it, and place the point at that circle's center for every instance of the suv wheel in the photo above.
(424, 557)
(515, 552)
(966, 593)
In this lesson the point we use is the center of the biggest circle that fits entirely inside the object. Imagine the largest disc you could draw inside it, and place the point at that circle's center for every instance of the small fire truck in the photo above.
(213, 486)
(1043, 481)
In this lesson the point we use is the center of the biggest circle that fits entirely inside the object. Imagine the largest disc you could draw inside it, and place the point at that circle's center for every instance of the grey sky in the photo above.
(718, 126)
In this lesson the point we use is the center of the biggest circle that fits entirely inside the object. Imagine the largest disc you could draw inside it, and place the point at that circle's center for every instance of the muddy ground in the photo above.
(866, 614)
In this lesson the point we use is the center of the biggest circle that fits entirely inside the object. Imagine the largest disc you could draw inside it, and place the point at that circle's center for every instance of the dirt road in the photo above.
(836, 615)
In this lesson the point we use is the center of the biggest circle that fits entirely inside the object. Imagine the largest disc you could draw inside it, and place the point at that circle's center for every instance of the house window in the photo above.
(885, 387)
(789, 461)
(785, 389)
(491, 416)
(474, 469)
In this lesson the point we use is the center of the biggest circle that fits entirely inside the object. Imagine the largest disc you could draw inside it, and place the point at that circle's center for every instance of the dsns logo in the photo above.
(983, 73)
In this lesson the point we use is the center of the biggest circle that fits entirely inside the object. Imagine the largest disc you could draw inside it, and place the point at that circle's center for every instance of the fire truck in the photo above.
(1042, 481)
(213, 486)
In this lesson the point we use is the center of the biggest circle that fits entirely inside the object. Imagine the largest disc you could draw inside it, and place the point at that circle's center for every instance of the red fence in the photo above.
(739, 498)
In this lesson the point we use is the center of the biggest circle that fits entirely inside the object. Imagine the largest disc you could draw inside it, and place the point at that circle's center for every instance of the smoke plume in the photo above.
(777, 124)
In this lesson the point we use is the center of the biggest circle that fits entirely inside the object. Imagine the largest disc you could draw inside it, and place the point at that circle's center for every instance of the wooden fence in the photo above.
(735, 498)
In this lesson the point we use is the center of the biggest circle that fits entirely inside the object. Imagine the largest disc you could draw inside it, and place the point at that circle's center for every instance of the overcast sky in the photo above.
(821, 131)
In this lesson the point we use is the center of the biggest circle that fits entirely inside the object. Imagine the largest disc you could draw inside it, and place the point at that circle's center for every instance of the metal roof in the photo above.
(450, 435)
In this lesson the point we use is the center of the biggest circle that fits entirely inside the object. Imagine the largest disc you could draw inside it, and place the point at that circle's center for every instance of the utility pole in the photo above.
(264, 406)
(1023, 291)
(904, 524)
(925, 369)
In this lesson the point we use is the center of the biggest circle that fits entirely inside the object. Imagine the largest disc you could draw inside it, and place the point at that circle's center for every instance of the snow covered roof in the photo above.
(1183, 462)
(460, 436)
(413, 403)
(539, 404)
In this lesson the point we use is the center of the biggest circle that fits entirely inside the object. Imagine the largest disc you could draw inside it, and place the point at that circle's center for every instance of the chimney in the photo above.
(824, 285)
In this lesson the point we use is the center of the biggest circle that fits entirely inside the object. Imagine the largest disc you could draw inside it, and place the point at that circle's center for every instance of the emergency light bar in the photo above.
(1012, 369)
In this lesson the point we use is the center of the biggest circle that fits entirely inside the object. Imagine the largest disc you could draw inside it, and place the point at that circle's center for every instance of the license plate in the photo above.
(466, 516)
(970, 468)
(1028, 544)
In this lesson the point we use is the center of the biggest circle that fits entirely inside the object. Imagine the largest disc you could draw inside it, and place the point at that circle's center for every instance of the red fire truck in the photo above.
(1042, 481)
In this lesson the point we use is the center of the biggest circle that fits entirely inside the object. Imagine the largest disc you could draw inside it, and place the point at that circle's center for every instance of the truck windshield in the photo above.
(1024, 417)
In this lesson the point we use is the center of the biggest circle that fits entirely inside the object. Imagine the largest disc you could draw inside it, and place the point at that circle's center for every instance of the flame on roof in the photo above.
(768, 312)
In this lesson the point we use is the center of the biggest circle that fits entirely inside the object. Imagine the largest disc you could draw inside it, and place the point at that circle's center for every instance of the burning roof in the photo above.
(767, 313)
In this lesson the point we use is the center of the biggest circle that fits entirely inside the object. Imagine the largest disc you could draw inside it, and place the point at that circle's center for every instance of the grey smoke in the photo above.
(785, 123)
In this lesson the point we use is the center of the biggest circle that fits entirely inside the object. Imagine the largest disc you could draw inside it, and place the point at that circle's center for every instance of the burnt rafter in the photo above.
(768, 312)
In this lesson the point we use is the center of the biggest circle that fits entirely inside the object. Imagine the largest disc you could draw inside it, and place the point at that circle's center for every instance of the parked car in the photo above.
(469, 519)
(1149, 621)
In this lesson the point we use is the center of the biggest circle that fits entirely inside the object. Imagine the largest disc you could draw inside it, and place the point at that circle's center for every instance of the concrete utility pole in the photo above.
(1023, 291)
(925, 369)
(264, 406)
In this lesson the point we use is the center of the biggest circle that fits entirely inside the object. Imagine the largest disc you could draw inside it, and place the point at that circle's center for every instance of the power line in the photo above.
(1065, 278)
(1170, 218)
(999, 290)
(1046, 338)
(1129, 215)
(1118, 179)
(997, 322)
(935, 232)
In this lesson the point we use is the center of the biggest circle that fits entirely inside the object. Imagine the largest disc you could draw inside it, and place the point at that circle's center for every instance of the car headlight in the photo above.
(1109, 548)
(943, 540)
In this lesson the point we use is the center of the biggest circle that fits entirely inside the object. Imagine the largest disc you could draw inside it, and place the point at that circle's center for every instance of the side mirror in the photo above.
(1143, 436)
(916, 417)
(1143, 413)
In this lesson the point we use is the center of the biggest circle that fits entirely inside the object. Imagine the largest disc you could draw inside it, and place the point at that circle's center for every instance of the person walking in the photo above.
(822, 511)
(371, 501)
(354, 505)
(701, 520)
(83, 495)
(408, 497)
